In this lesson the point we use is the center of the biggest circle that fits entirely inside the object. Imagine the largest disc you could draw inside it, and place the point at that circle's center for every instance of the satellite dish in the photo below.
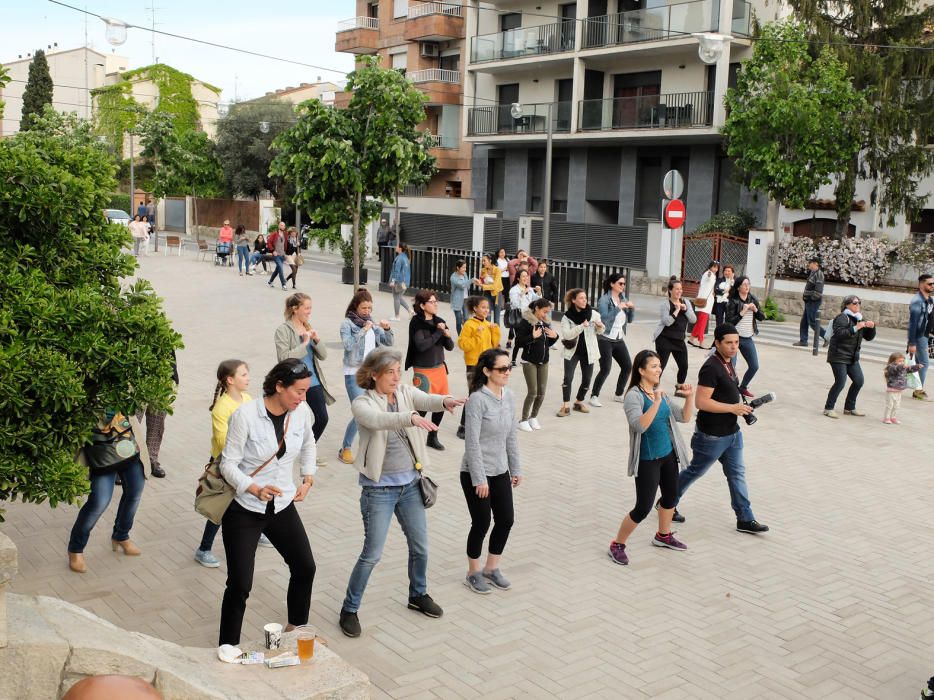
(515, 111)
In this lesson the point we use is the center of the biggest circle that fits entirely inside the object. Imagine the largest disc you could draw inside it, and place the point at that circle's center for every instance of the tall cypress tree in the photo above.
(898, 84)
(38, 91)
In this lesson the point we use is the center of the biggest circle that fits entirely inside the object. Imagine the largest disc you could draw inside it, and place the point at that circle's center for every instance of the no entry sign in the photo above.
(674, 214)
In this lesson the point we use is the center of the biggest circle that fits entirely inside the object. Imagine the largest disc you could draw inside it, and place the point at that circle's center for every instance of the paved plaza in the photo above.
(834, 602)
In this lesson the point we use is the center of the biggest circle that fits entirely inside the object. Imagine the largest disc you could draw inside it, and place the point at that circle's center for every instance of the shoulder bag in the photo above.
(699, 303)
(427, 486)
(112, 447)
(214, 494)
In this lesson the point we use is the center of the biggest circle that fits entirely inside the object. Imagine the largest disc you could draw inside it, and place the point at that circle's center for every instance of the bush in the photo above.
(735, 223)
(75, 342)
(771, 311)
(917, 256)
(863, 261)
(120, 201)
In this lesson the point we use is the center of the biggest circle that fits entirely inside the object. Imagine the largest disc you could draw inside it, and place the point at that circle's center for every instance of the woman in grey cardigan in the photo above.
(490, 469)
(656, 451)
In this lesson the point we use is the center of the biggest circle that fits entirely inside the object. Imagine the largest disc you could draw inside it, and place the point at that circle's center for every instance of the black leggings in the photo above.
(499, 503)
(580, 355)
(435, 417)
(652, 474)
(611, 350)
(319, 408)
(241, 532)
(666, 347)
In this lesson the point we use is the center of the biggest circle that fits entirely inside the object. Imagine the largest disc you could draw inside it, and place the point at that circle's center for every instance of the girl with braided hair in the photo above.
(233, 378)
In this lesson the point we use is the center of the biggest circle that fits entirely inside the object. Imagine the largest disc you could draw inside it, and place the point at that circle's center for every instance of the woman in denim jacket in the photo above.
(400, 277)
(615, 312)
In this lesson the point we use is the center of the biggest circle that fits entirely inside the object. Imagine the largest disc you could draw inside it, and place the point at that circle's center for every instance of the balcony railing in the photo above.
(494, 120)
(348, 25)
(523, 42)
(436, 75)
(650, 24)
(443, 141)
(423, 9)
(680, 110)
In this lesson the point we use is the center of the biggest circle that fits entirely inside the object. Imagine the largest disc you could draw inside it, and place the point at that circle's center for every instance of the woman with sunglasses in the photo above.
(265, 440)
(490, 469)
(848, 332)
(615, 312)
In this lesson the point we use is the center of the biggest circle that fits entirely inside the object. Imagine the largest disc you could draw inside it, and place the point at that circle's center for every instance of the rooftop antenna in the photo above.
(152, 25)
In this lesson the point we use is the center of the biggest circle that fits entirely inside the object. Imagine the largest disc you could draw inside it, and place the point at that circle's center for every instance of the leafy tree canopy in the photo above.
(75, 338)
(38, 92)
(186, 163)
(244, 150)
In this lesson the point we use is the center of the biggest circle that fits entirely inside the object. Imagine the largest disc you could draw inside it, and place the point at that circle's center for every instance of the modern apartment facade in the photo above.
(426, 41)
(627, 96)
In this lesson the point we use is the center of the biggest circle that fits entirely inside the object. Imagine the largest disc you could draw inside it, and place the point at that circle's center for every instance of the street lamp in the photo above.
(116, 31)
(264, 127)
(515, 111)
(710, 46)
(223, 109)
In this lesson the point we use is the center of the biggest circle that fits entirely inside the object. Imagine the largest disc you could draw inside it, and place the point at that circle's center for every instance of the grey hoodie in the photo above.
(495, 420)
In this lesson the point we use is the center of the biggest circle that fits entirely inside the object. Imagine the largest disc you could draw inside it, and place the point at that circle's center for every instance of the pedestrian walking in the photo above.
(477, 336)
(615, 311)
(113, 453)
(534, 337)
(676, 313)
(848, 332)
(579, 327)
(704, 302)
(460, 287)
(921, 329)
(260, 251)
(151, 214)
(265, 441)
(243, 250)
(360, 335)
(382, 238)
(744, 311)
(155, 430)
(520, 296)
(400, 277)
(724, 285)
(717, 436)
(896, 381)
(389, 460)
(233, 378)
(296, 339)
(276, 244)
(490, 469)
(502, 264)
(429, 337)
(139, 230)
(812, 296)
(543, 282)
(656, 450)
(491, 282)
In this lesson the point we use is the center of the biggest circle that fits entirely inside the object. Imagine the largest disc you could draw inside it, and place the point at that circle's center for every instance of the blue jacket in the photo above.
(608, 310)
(459, 286)
(401, 269)
(917, 319)
(354, 341)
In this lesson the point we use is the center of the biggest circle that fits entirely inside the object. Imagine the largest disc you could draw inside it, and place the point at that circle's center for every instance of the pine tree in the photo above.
(38, 91)
(896, 125)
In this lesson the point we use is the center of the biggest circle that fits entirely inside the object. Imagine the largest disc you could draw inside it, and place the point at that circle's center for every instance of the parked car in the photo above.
(117, 216)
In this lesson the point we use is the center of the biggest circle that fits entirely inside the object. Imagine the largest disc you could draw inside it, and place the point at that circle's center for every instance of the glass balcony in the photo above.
(523, 42)
(497, 120)
(651, 24)
(679, 110)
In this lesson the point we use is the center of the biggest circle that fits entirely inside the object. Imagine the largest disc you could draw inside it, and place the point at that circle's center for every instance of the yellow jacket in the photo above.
(223, 409)
(496, 286)
(477, 336)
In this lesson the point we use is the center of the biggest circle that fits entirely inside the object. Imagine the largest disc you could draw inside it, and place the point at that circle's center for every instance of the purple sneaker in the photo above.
(617, 553)
(669, 541)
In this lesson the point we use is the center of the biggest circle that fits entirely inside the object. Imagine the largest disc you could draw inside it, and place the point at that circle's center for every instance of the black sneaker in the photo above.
(676, 518)
(753, 527)
(460, 433)
(350, 624)
(800, 344)
(425, 605)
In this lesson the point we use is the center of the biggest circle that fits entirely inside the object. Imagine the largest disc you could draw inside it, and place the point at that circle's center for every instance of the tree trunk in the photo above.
(846, 189)
(355, 240)
(773, 262)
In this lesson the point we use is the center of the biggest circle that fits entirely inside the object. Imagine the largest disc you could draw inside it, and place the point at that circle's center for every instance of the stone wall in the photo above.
(885, 314)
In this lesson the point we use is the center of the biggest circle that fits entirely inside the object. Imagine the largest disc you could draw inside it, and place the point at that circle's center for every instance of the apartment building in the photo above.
(426, 41)
(324, 91)
(627, 98)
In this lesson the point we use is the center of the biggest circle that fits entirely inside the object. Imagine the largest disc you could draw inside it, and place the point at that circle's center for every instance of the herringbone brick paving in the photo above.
(835, 602)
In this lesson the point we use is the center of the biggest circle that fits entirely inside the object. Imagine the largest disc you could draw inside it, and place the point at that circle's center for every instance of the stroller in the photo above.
(223, 254)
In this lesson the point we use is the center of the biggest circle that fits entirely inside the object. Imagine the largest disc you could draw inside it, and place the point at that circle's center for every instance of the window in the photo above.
(372, 10)
(511, 20)
(536, 183)
(400, 8)
(496, 184)
(399, 60)
(452, 188)
(649, 193)
(450, 62)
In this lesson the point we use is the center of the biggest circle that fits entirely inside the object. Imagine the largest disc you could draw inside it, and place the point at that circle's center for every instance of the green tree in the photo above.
(897, 122)
(785, 127)
(38, 92)
(344, 162)
(75, 338)
(4, 79)
(244, 150)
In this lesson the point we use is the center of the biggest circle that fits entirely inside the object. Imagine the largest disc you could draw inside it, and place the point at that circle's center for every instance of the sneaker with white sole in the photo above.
(535, 424)
(669, 541)
(619, 398)
(595, 402)
(477, 584)
(525, 426)
(207, 559)
(496, 578)
(830, 413)
(264, 541)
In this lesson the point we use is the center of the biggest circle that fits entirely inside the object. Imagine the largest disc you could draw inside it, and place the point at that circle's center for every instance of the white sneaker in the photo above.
(394, 318)
(264, 541)
(619, 398)
(535, 424)
(525, 426)
(594, 401)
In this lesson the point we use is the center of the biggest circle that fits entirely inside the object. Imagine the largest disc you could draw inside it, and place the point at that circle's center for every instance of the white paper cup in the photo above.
(273, 632)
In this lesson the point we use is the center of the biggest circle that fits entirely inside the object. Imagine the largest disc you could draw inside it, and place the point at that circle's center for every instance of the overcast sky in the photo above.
(301, 30)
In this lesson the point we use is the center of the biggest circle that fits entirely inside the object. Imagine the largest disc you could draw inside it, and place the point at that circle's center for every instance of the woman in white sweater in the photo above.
(703, 303)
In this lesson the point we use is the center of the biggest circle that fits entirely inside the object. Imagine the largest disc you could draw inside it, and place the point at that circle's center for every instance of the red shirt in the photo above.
(226, 235)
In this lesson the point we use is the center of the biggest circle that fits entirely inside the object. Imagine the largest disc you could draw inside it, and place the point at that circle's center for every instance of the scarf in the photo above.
(854, 314)
(358, 320)
(578, 316)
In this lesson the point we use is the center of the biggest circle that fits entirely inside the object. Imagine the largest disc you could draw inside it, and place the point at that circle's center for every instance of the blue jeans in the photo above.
(747, 348)
(353, 391)
(840, 372)
(459, 319)
(243, 258)
(921, 357)
(810, 320)
(278, 260)
(728, 450)
(102, 490)
(377, 504)
(494, 306)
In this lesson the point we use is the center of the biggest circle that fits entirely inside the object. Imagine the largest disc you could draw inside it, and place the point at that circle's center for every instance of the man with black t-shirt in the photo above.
(717, 435)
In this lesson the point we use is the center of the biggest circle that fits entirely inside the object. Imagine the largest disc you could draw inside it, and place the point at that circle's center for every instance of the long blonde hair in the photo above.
(293, 303)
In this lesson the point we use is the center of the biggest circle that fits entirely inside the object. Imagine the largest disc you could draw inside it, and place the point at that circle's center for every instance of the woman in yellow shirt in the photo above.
(233, 378)
(491, 282)
(477, 335)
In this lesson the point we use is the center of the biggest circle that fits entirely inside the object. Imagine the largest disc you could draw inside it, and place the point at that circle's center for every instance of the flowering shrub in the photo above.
(918, 256)
(862, 261)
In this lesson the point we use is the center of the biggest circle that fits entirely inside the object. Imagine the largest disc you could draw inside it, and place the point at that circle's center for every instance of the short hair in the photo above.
(572, 295)
(728, 265)
(285, 373)
(471, 303)
(421, 297)
(459, 263)
(375, 364)
(924, 277)
(849, 299)
(814, 259)
(293, 302)
(724, 329)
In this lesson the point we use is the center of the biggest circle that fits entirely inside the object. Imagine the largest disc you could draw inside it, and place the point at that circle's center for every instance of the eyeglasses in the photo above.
(300, 371)
(502, 370)
(857, 302)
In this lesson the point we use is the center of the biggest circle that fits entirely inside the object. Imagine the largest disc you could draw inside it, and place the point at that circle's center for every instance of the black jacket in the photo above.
(426, 342)
(548, 285)
(735, 305)
(846, 341)
(534, 350)
(814, 287)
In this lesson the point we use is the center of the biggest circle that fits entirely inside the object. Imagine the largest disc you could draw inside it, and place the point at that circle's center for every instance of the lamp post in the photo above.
(515, 111)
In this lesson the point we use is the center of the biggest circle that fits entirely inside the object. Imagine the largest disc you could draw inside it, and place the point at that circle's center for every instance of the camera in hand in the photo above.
(755, 403)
